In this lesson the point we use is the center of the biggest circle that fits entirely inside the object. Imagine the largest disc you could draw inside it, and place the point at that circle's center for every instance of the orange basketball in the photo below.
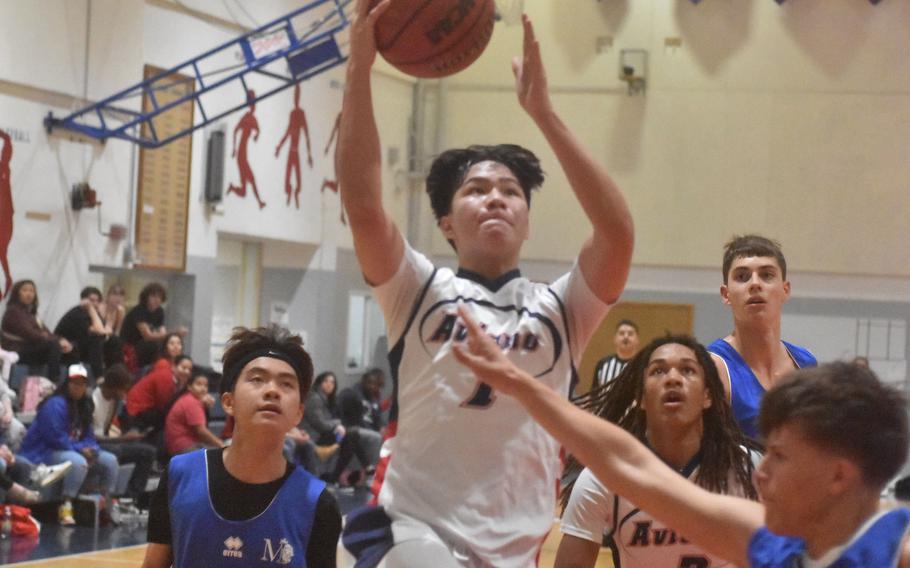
(434, 38)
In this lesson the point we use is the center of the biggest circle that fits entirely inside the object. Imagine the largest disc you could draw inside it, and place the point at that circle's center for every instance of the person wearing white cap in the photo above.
(62, 431)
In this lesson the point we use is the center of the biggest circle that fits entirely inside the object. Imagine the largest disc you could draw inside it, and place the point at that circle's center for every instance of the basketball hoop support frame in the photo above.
(316, 51)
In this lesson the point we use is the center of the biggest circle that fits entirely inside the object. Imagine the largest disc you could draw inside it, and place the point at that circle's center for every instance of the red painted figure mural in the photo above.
(333, 183)
(248, 125)
(296, 123)
(6, 208)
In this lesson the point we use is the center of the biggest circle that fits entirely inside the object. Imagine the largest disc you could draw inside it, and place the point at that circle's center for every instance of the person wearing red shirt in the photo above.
(185, 426)
(148, 400)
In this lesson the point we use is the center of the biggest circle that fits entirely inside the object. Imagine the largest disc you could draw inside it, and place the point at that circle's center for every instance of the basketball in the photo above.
(434, 38)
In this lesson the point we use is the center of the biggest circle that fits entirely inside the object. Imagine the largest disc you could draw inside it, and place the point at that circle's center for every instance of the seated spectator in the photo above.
(62, 431)
(299, 448)
(127, 446)
(27, 476)
(320, 418)
(143, 327)
(185, 428)
(15, 492)
(7, 360)
(83, 328)
(360, 411)
(324, 426)
(360, 404)
(112, 314)
(24, 333)
(148, 400)
(111, 310)
(11, 429)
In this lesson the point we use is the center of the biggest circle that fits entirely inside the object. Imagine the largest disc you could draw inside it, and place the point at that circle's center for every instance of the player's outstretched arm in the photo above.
(720, 524)
(605, 257)
(358, 159)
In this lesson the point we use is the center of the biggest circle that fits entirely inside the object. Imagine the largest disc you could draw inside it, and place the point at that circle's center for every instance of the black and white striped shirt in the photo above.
(607, 369)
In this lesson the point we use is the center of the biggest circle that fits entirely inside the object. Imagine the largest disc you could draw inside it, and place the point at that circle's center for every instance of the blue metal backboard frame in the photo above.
(313, 53)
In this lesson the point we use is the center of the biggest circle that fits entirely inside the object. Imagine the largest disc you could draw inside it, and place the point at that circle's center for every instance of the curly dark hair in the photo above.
(88, 291)
(245, 342)
(152, 289)
(723, 444)
(741, 246)
(449, 169)
(844, 409)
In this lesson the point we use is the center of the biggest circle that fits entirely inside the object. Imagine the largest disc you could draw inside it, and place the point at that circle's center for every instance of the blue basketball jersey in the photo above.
(745, 390)
(877, 546)
(201, 537)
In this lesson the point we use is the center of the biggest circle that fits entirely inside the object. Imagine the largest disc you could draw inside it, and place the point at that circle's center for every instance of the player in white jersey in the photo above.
(835, 436)
(671, 398)
(470, 479)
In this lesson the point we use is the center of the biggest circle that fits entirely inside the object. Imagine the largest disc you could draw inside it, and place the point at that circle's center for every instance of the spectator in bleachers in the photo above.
(7, 360)
(360, 404)
(322, 422)
(11, 429)
(148, 400)
(168, 351)
(112, 314)
(83, 328)
(360, 410)
(62, 431)
(26, 475)
(24, 333)
(320, 416)
(299, 448)
(127, 446)
(143, 327)
(185, 427)
(16, 492)
(111, 310)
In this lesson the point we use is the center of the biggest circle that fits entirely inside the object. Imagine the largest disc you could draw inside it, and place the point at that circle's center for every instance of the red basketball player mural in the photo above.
(296, 123)
(333, 183)
(6, 208)
(248, 125)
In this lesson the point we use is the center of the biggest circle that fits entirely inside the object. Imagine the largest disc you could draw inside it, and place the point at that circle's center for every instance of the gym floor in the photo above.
(114, 547)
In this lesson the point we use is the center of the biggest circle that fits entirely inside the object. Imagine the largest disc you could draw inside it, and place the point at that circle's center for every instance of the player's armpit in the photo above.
(158, 556)
(575, 552)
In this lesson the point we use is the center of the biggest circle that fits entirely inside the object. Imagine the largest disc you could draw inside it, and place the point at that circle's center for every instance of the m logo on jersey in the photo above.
(281, 555)
(518, 331)
(232, 546)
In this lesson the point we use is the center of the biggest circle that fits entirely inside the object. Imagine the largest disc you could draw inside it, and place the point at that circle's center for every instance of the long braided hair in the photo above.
(723, 445)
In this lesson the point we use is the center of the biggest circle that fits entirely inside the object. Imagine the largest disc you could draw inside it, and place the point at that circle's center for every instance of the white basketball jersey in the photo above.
(640, 540)
(471, 464)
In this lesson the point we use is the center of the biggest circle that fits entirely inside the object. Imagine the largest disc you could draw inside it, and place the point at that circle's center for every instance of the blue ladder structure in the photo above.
(307, 53)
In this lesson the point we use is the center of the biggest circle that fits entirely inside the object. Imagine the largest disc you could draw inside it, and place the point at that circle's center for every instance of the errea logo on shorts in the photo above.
(232, 546)
(281, 555)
